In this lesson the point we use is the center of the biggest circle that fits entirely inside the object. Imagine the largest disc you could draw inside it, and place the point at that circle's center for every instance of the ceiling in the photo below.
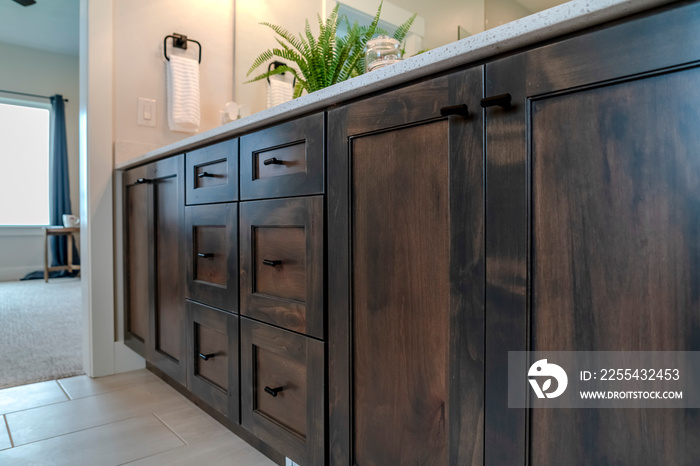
(50, 25)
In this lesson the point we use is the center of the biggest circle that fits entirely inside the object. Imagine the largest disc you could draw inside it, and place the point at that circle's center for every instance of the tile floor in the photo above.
(132, 418)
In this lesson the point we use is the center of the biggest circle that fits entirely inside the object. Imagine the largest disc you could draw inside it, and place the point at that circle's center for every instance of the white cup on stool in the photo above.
(70, 221)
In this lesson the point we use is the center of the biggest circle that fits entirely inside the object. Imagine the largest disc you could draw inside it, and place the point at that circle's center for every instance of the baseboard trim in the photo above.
(11, 274)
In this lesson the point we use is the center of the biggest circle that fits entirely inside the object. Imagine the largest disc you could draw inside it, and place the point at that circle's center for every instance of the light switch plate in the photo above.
(147, 112)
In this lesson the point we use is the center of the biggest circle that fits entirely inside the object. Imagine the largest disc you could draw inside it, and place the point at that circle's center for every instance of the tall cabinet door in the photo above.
(406, 275)
(137, 257)
(166, 348)
(593, 214)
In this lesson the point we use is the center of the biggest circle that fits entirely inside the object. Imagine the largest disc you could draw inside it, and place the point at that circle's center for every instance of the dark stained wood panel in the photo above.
(210, 239)
(616, 262)
(287, 161)
(401, 295)
(211, 173)
(138, 259)
(287, 245)
(212, 341)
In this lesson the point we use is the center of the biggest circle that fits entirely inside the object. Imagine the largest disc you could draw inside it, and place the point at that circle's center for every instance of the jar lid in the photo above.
(382, 40)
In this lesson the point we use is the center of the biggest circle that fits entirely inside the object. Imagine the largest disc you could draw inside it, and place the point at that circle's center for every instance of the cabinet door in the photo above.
(212, 173)
(406, 276)
(137, 258)
(166, 348)
(593, 214)
(211, 242)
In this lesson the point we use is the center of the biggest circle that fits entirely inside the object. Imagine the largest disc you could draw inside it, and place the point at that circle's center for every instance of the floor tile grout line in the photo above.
(9, 434)
(170, 429)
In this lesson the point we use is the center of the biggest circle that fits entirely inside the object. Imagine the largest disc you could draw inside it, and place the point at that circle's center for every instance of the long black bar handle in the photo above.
(461, 110)
(206, 357)
(273, 161)
(273, 391)
(143, 181)
(272, 263)
(501, 100)
(205, 255)
(205, 174)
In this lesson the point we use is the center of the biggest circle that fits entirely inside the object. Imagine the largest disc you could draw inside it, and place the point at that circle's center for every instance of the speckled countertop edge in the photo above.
(563, 19)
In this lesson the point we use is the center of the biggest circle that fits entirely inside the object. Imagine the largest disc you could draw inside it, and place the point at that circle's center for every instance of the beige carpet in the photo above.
(40, 331)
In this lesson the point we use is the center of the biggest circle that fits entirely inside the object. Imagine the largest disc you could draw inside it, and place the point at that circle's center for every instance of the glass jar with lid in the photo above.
(382, 51)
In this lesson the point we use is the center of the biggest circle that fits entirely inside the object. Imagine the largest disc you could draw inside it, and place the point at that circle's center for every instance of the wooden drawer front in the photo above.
(282, 263)
(285, 160)
(212, 256)
(292, 421)
(212, 344)
(212, 173)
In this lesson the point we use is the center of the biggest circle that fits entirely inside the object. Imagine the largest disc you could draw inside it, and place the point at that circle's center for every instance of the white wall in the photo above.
(35, 71)
(253, 38)
(499, 12)
(139, 65)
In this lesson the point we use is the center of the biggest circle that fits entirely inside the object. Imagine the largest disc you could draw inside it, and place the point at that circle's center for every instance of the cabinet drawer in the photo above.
(285, 160)
(212, 255)
(282, 390)
(282, 263)
(212, 173)
(212, 344)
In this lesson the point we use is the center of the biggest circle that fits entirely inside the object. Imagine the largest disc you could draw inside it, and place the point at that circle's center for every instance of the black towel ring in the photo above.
(277, 64)
(180, 41)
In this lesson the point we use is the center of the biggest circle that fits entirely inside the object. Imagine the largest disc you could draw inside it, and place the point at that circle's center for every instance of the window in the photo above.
(24, 163)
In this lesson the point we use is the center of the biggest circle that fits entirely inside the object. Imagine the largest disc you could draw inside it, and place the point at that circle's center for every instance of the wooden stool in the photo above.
(58, 231)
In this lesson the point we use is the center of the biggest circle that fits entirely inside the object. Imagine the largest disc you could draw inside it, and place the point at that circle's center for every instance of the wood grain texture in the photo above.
(167, 322)
(299, 144)
(137, 258)
(211, 331)
(212, 229)
(220, 163)
(297, 240)
(400, 296)
(616, 263)
(294, 421)
(403, 129)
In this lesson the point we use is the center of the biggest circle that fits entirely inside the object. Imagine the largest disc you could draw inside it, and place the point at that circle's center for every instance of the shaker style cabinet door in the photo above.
(592, 230)
(211, 173)
(406, 275)
(137, 257)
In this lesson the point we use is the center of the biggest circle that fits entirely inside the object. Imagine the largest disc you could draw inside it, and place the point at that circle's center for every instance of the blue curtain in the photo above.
(59, 184)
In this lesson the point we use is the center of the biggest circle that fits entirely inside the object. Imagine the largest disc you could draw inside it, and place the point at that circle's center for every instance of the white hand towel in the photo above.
(279, 91)
(182, 82)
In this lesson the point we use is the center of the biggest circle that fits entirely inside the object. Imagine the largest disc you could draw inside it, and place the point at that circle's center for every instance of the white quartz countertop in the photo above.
(563, 19)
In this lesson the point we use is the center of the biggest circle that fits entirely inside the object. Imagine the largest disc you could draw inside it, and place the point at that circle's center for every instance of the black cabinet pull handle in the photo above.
(205, 255)
(273, 161)
(272, 263)
(206, 357)
(143, 181)
(205, 174)
(502, 100)
(273, 391)
(461, 110)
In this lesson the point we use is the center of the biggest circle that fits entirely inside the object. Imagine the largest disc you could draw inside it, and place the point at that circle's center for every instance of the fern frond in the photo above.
(402, 30)
(262, 58)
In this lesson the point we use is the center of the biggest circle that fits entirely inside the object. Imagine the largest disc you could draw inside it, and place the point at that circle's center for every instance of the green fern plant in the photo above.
(324, 60)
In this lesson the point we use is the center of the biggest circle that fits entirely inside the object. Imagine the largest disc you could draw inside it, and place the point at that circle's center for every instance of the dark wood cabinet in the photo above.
(284, 160)
(212, 173)
(406, 275)
(282, 390)
(212, 357)
(155, 280)
(211, 242)
(592, 220)
(282, 263)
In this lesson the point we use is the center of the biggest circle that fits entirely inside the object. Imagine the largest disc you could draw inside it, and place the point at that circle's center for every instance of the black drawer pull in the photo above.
(205, 255)
(143, 181)
(273, 391)
(272, 263)
(206, 357)
(205, 174)
(502, 100)
(273, 161)
(461, 110)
